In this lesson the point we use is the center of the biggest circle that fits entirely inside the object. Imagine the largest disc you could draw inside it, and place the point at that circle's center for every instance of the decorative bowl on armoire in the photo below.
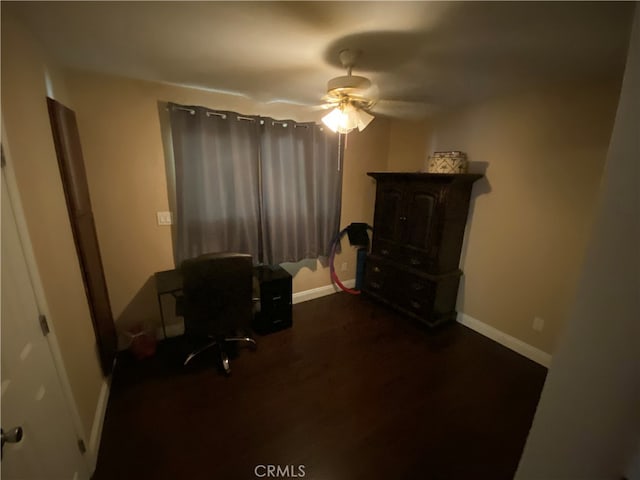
(448, 162)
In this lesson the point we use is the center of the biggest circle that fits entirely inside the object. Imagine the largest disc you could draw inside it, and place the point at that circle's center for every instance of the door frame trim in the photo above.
(13, 192)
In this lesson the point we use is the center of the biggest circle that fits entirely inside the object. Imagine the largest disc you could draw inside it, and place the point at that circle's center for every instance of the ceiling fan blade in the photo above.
(372, 93)
(330, 99)
(403, 109)
(325, 106)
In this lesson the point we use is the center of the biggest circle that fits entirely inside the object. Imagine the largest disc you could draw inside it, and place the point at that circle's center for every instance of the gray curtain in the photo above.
(217, 189)
(254, 185)
(301, 191)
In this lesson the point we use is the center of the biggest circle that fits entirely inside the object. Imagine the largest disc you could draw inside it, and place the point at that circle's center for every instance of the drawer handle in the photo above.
(384, 251)
(376, 269)
(417, 286)
(414, 261)
(404, 219)
(375, 285)
(415, 305)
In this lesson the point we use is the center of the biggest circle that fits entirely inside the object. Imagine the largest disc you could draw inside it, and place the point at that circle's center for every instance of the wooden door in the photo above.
(32, 396)
(74, 180)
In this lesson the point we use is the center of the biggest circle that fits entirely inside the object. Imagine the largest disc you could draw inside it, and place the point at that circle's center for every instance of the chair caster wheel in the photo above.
(225, 364)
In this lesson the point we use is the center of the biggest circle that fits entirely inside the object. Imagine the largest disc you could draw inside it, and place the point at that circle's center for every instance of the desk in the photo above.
(167, 282)
(271, 284)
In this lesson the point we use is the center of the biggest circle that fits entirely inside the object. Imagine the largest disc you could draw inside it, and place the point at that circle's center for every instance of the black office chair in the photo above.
(217, 302)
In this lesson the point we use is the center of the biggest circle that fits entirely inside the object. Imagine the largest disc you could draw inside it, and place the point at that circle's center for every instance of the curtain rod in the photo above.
(184, 109)
(210, 113)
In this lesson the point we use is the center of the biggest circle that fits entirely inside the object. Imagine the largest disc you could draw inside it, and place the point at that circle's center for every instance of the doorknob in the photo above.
(12, 436)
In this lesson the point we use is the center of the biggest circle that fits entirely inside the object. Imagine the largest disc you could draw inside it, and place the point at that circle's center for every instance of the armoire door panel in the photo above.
(420, 212)
(388, 212)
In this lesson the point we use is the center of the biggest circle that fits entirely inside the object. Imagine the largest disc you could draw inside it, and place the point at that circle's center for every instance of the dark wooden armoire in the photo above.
(418, 229)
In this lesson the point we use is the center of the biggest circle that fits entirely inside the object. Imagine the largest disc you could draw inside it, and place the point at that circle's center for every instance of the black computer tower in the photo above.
(275, 293)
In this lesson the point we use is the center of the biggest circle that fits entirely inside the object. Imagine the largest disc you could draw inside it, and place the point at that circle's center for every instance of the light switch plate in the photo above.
(164, 218)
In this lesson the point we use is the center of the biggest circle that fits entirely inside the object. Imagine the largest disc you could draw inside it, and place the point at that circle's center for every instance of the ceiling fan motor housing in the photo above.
(348, 85)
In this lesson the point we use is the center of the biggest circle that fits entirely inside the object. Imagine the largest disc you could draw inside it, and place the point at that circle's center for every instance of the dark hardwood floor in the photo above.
(352, 391)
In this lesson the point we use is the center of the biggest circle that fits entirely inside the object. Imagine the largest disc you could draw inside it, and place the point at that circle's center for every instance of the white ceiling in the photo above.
(441, 53)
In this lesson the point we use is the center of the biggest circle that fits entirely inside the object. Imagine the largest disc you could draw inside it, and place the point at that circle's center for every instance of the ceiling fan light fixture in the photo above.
(336, 121)
(346, 118)
(363, 119)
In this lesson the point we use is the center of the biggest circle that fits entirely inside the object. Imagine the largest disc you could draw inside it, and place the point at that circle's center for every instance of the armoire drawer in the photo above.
(418, 260)
(385, 249)
(417, 295)
(378, 277)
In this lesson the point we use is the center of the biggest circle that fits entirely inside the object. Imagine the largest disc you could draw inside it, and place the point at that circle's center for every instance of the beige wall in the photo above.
(408, 144)
(530, 216)
(121, 138)
(26, 123)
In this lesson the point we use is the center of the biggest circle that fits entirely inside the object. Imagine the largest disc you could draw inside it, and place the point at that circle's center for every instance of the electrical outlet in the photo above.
(538, 324)
(343, 267)
(164, 218)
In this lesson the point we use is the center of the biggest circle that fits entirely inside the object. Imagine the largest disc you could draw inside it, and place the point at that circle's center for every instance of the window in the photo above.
(254, 185)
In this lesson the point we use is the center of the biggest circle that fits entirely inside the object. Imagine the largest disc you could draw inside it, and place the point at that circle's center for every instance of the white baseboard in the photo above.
(98, 422)
(323, 291)
(518, 346)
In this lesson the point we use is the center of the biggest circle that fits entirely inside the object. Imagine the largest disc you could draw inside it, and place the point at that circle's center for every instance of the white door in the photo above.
(32, 396)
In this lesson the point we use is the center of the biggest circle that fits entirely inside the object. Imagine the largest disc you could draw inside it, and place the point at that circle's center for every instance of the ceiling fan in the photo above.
(354, 100)
(350, 97)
